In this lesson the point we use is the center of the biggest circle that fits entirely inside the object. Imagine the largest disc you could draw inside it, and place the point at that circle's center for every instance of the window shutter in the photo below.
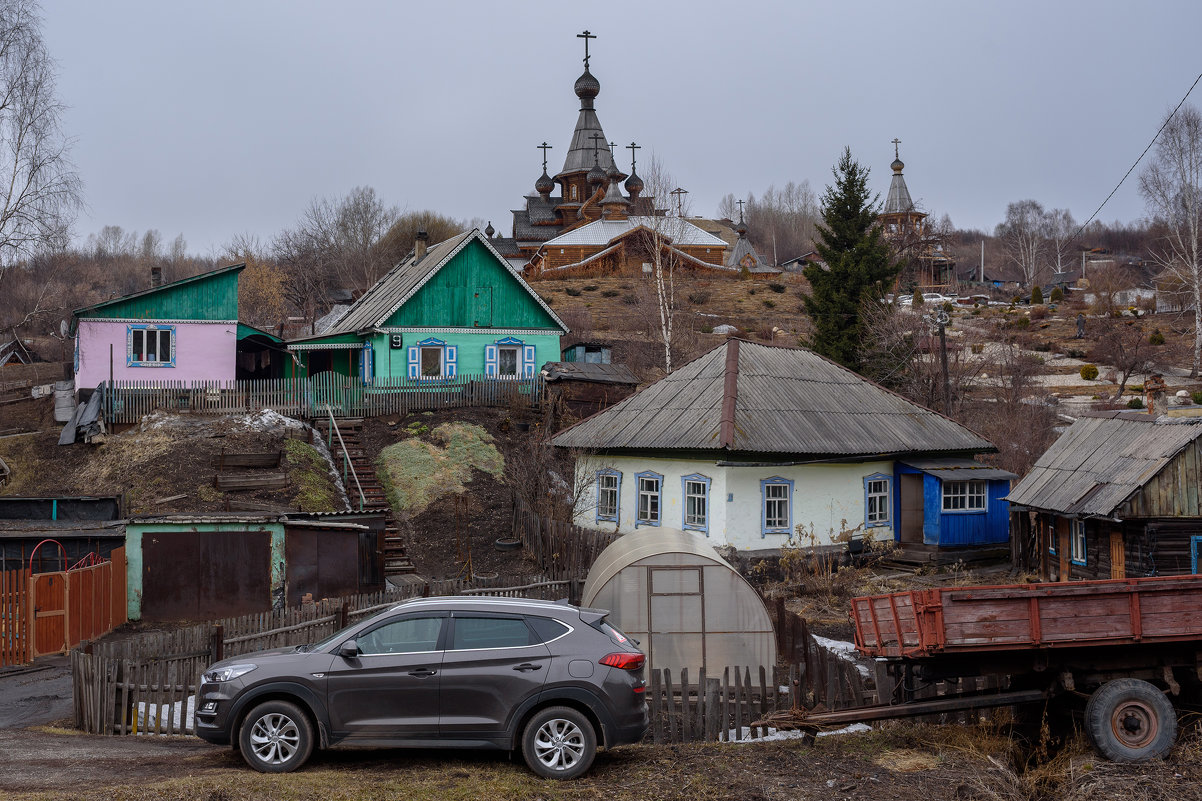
(490, 360)
(415, 361)
(451, 357)
(528, 361)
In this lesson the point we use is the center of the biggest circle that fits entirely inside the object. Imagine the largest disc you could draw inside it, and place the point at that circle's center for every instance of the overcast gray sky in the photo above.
(217, 118)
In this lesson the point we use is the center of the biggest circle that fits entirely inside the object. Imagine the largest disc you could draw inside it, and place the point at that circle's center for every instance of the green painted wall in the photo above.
(473, 290)
(212, 298)
(133, 554)
(470, 346)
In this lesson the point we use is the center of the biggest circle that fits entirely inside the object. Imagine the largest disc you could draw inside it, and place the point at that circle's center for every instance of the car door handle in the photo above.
(421, 673)
(525, 666)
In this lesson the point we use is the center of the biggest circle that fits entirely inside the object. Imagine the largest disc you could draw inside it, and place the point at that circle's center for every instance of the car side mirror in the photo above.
(349, 649)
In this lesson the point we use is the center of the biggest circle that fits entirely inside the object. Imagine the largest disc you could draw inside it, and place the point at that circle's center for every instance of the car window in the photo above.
(547, 629)
(405, 636)
(489, 632)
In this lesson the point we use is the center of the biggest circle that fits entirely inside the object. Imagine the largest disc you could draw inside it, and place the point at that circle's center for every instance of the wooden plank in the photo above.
(227, 483)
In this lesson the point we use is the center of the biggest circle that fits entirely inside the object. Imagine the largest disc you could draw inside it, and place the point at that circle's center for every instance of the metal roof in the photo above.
(1100, 461)
(956, 469)
(601, 232)
(580, 151)
(152, 290)
(589, 371)
(747, 396)
(402, 282)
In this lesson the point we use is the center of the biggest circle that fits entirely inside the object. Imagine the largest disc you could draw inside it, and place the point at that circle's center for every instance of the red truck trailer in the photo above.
(1132, 646)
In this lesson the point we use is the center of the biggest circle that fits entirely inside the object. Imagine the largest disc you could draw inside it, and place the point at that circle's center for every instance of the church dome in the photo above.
(634, 184)
(596, 175)
(614, 175)
(489, 231)
(587, 87)
(544, 185)
(897, 165)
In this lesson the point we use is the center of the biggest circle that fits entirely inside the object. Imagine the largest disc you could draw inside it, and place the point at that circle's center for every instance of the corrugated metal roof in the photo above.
(401, 282)
(601, 232)
(955, 469)
(589, 371)
(784, 400)
(1100, 461)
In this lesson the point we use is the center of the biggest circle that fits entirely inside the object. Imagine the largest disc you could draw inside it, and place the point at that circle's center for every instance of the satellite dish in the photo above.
(62, 328)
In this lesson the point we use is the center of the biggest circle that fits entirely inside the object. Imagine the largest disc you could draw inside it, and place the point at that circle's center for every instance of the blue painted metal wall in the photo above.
(955, 529)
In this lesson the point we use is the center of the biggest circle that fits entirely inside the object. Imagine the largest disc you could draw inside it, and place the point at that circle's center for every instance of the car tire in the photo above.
(559, 743)
(276, 737)
(1129, 720)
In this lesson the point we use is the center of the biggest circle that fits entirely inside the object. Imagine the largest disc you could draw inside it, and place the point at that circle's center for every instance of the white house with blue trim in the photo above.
(759, 446)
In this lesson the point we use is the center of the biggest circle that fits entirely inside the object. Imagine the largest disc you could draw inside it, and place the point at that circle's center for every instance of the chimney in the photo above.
(156, 277)
(419, 246)
(1154, 389)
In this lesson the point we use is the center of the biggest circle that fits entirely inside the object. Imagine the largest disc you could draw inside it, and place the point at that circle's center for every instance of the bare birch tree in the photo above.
(1024, 235)
(1172, 188)
(661, 230)
(1060, 227)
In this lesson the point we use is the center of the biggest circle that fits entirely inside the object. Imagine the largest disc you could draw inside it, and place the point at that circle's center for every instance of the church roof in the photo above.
(602, 232)
(744, 250)
(898, 201)
(580, 151)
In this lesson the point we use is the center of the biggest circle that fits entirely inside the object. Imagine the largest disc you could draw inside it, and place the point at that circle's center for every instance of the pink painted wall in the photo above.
(203, 352)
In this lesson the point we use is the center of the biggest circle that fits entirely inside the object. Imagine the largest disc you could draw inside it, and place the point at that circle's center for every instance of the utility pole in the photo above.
(939, 320)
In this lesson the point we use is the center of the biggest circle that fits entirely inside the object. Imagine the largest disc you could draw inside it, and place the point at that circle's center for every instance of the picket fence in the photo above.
(16, 647)
(129, 401)
(558, 548)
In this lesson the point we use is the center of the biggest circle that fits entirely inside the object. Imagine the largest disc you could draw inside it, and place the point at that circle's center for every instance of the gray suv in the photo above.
(551, 680)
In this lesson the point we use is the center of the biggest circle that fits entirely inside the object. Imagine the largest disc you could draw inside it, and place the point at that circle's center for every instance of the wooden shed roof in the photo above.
(750, 397)
(1101, 461)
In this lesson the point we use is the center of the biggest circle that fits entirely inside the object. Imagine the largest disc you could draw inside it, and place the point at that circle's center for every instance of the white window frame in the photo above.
(143, 331)
(963, 496)
(878, 488)
(603, 511)
(643, 512)
(774, 523)
(695, 488)
(1077, 542)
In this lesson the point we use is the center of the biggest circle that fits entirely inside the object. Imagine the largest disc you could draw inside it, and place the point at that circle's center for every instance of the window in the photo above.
(776, 494)
(964, 496)
(648, 496)
(432, 358)
(696, 492)
(150, 346)
(510, 358)
(877, 501)
(507, 360)
(609, 483)
(407, 636)
(1077, 543)
(431, 362)
(489, 632)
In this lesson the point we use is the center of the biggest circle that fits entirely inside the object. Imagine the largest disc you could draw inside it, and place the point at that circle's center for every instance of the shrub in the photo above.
(917, 299)
(978, 347)
(1135, 403)
(707, 329)
(1039, 312)
(590, 288)
(1042, 347)
(778, 288)
(1196, 397)
(1021, 323)
(1014, 301)
(572, 291)
(1136, 387)
(751, 291)
(947, 307)
(1156, 338)
(1036, 295)
(700, 297)
(1074, 354)
(631, 299)
(610, 293)
(1057, 295)
(1089, 372)
(769, 303)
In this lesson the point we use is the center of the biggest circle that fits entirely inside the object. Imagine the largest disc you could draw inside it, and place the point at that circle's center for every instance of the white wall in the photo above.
(823, 497)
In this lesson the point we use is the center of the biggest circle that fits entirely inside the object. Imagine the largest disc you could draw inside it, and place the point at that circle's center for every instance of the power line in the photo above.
(1138, 160)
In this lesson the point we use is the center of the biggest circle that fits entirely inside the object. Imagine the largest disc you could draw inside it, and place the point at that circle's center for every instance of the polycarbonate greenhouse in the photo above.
(685, 604)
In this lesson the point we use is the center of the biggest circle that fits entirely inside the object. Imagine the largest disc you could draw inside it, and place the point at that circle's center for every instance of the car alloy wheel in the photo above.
(276, 737)
(559, 743)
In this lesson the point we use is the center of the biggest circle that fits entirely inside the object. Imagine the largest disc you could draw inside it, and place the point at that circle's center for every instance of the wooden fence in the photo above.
(146, 684)
(559, 549)
(15, 647)
(129, 401)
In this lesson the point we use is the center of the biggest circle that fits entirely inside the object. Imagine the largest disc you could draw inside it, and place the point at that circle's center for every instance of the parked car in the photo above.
(550, 680)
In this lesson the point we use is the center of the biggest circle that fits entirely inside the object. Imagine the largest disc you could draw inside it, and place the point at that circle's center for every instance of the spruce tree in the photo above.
(858, 266)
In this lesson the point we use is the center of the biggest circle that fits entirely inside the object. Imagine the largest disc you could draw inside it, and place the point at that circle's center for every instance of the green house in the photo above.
(454, 309)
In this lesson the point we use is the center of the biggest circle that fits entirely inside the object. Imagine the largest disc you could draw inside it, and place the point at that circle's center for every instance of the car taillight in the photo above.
(625, 661)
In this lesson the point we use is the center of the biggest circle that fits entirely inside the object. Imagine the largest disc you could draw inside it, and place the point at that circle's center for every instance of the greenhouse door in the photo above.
(676, 616)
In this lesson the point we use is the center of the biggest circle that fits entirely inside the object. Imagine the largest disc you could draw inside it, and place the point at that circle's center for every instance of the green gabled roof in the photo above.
(328, 338)
(245, 331)
(388, 301)
(208, 296)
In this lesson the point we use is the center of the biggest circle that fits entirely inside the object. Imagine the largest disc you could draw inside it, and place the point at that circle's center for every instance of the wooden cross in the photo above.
(896, 142)
(585, 36)
(595, 137)
(632, 147)
(679, 193)
(740, 203)
(544, 147)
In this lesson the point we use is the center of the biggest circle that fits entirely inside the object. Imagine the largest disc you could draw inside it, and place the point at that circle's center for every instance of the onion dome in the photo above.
(587, 87)
(614, 175)
(634, 184)
(741, 227)
(596, 175)
(897, 165)
(489, 231)
(545, 185)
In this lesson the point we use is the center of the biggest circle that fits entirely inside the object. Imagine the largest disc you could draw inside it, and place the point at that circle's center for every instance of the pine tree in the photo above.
(858, 266)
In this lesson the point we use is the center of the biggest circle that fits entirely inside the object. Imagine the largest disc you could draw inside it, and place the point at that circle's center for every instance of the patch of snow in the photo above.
(182, 715)
(267, 420)
(775, 736)
(725, 329)
(844, 650)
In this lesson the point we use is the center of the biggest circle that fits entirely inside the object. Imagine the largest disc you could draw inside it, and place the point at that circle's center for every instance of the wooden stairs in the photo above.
(396, 561)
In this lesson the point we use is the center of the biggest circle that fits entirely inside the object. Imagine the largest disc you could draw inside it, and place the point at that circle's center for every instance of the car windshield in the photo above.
(320, 644)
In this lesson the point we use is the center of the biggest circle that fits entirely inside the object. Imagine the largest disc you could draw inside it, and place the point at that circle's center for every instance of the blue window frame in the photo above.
(648, 494)
(1077, 542)
(1193, 552)
(150, 345)
(964, 496)
(776, 506)
(509, 357)
(695, 506)
(878, 500)
(432, 359)
(609, 495)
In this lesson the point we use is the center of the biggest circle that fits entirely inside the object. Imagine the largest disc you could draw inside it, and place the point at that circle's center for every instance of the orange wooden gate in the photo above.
(14, 617)
(68, 607)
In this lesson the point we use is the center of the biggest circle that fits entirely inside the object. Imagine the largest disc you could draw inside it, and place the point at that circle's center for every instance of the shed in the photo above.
(685, 604)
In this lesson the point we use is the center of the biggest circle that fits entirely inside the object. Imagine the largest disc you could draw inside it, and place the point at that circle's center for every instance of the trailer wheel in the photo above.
(1129, 720)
